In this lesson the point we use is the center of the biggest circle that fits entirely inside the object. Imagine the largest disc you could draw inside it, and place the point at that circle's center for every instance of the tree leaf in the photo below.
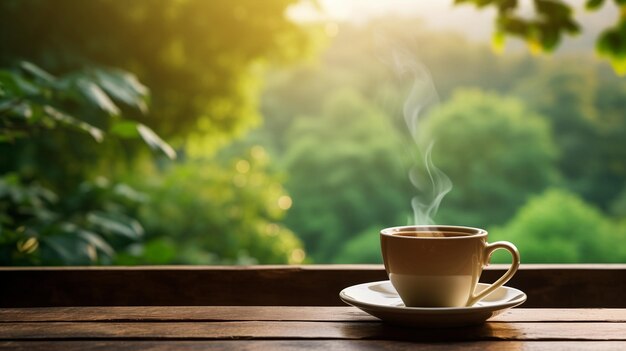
(59, 245)
(477, 3)
(123, 87)
(498, 41)
(507, 5)
(22, 110)
(129, 193)
(115, 225)
(593, 4)
(125, 129)
(68, 120)
(97, 241)
(549, 38)
(571, 27)
(155, 142)
(28, 246)
(17, 85)
(554, 10)
(37, 72)
(93, 92)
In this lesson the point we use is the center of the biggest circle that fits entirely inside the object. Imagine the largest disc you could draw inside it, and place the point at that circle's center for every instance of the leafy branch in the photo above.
(32, 99)
(552, 20)
(37, 226)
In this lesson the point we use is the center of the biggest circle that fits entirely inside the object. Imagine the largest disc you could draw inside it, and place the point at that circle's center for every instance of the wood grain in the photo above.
(180, 286)
(567, 286)
(310, 330)
(325, 345)
(186, 313)
(289, 328)
(272, 313)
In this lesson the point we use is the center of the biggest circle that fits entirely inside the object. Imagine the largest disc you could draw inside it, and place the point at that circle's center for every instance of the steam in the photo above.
(432, 184)
(426, 204)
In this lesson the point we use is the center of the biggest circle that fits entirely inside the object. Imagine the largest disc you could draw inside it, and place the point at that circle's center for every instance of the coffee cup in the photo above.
(439, 266)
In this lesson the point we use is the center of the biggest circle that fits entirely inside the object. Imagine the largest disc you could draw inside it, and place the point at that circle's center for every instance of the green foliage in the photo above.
(363, 248)
(345, 171)
(86, 227)
(353, 61)
(618, 207)
(33, 99)
(568, 132)
(44, 117)
(559, 227)
(543, 32)
(612, 44)
(41, 222)
(344, 154)
(204, 212)
(552, 20)
(201, 59)
(593, 4)
(495, 151)
(585, 112)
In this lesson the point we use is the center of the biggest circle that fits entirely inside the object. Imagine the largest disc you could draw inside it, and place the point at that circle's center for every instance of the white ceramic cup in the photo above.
(439, 266)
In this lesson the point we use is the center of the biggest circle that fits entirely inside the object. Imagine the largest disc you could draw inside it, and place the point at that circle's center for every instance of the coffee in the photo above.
(428, 234)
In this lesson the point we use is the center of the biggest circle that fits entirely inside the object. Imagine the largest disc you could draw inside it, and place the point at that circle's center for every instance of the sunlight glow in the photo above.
(242, 166)
(284, 202)
(297, 256)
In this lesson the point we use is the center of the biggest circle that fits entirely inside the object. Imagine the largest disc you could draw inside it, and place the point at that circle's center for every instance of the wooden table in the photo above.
(289, 328)
(569, 307)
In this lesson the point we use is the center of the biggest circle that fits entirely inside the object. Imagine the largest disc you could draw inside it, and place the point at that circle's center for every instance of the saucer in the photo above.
(381, 300)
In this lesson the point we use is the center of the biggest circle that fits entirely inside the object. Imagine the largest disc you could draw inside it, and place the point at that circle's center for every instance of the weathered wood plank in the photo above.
(185, 313)
(182, 286)
(311, 330)
(325, 345)
(567, 286)
(272, 313)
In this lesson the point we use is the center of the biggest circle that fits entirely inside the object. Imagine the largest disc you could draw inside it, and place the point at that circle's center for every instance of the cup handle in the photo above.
(489, 249)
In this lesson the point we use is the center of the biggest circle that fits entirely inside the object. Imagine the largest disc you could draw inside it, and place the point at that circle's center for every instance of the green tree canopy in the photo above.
(495, 151)
(199, 58)
(212, 212)
(585, 112)
(363, 248)
(202, 61)
(577, 100)
(558, 227)
(345, 172)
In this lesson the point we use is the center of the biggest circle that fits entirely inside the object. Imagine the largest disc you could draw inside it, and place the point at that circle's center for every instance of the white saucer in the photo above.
(381, 300)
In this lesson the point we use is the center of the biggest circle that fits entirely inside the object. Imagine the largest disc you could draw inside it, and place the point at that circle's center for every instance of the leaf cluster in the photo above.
(221, 211)
(87, 101)
(552, 20)
(201, 59)
(41, 222)
(37, 227)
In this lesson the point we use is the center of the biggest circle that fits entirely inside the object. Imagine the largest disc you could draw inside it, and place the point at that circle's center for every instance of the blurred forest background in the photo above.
(210, 132)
